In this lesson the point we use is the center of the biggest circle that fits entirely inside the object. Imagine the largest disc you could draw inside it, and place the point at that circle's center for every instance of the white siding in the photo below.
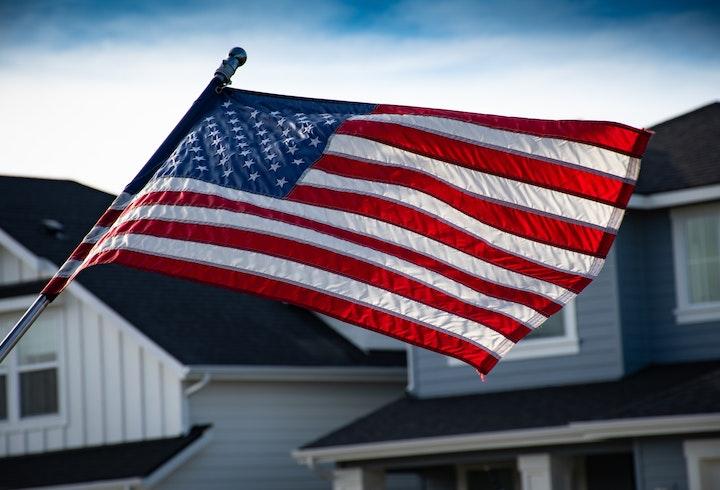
(112, 389)
(256, 425)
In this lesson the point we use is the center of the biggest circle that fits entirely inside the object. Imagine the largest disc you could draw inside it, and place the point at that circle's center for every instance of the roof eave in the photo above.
(318, 374)
(572, 433)
(680, 197)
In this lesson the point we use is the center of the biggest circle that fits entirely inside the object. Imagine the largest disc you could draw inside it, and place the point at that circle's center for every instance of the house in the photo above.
(620, 391)
(135, 380)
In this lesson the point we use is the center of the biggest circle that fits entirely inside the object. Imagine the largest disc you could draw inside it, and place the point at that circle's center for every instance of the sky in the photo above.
(89, 89)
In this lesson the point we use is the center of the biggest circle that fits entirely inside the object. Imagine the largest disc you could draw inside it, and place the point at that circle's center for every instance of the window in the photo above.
(556, 337)
(696, 242)
(29, 375)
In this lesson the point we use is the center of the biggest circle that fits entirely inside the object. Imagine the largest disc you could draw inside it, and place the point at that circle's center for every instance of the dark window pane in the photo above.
(3, 397)
(553, 327)
(492, 479)
(38, 392)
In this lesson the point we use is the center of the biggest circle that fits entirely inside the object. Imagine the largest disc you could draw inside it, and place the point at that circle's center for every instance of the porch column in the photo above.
(358, 479)
(544, 472)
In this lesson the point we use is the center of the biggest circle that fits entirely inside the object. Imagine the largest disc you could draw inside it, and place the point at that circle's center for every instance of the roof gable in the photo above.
(684, 152)
(195, 323)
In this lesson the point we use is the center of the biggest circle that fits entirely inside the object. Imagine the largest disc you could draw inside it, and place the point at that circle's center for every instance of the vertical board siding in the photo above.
(660, 463)
(599, 357)
(112, 390)
(257, 425)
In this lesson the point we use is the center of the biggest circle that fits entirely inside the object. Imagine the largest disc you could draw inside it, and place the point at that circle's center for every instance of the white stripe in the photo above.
(430, 205)
(312, 278)
(580, 154)
(378, 229)
(95, 233)
(480, 184)
(122, 200)
(68, 268)
(230, 219)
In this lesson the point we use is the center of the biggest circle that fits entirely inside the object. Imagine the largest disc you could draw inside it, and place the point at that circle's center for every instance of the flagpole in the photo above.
(222, 77)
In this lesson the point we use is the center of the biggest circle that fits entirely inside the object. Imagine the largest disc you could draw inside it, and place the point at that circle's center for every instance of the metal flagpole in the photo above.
(236, 58)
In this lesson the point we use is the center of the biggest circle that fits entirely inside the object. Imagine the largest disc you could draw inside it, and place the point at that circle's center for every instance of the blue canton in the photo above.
(258, 143)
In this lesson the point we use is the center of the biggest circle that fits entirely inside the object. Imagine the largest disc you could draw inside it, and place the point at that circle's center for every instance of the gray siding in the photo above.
(599, 357)
(257, 425)
(632, 286)
(647, 291)
(660, 464)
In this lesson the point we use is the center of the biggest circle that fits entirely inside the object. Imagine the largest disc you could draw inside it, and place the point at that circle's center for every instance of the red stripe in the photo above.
(608, 190)
(557, 233)
(347, 311)
(609, 135)
(497, 257)
(109, 217)
(330, 261)
(54, 286)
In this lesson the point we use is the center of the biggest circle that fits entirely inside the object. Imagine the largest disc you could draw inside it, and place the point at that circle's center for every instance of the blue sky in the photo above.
(89, 89)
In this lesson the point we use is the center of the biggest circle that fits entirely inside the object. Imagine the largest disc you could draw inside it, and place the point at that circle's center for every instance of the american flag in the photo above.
(453, 231)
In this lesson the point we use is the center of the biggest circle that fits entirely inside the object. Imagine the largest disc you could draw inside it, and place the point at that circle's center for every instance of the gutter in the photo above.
(572, 433)
(679, 197)
(360, 374)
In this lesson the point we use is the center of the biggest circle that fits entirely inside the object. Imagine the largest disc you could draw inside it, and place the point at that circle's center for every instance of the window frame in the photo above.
(13, 370)
(685, 311)
(529, 348)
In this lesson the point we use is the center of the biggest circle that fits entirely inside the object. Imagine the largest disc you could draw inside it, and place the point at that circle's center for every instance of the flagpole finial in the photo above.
(236, 58)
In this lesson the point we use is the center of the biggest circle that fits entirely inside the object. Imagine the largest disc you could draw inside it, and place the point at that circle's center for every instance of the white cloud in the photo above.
(96, 112)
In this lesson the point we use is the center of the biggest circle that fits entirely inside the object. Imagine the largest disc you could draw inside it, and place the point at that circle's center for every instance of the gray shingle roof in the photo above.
(93, 464)
(683, 153)
(196, 323)
(680, 389)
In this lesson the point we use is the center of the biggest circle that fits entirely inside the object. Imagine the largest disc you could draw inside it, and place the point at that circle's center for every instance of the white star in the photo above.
(287, 141)
(227, 172)
(236, 129)
(254, 176)
(314, 142)
(208, 119)
(271, 156)
(298, 114)
(224, 159)
(298, 161)
(198, 158)
(286, 132)
(274, 113)
(242, 144)
(274, 167)
(267, 148)
(281, 182)
(292, 149)
(227, 104)
(262, 132)
(329, 122)
(214, 133)
(216, 141)
(220, 150)
(239, 137)
(248, 163)
(254, 114)
(258, 124)
(265, 141)
(213, 125)
(195, 149)
(230, 113)
(245, 153)
(201, 168)
(234, 120)
(281, 121)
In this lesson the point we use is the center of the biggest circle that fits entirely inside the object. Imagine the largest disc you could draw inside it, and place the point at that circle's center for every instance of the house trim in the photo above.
(695, 452)
(84, 295)
(182, 457)
(297, 373)
(572, 433)
(679, 197)
(125, 483)
(685, 311)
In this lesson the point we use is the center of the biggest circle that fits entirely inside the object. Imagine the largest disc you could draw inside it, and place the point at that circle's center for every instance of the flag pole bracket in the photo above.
(236, 58)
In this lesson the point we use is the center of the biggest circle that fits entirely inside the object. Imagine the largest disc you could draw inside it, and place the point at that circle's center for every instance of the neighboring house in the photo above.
(136, 380)
(620, 391)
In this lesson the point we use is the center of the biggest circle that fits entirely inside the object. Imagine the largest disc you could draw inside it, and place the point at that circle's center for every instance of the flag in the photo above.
(453, 231)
